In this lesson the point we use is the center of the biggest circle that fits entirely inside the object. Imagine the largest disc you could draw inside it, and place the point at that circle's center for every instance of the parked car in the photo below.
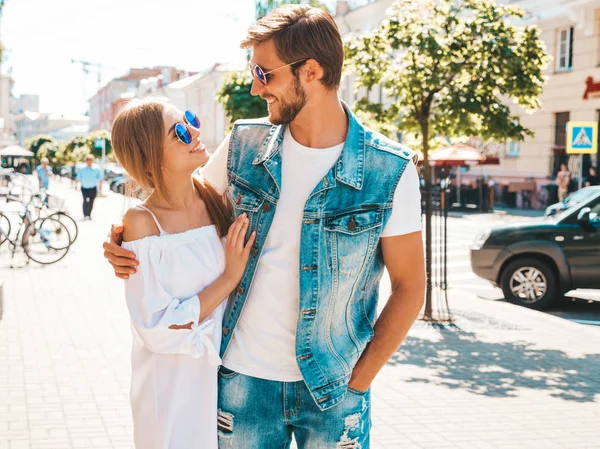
(118, 183)
(536, 263)
(572, 200)
(111, 171)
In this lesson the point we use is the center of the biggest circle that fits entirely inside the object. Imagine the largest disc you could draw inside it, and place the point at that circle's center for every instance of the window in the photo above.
(513, 149)
(565, 49)
(560, 132)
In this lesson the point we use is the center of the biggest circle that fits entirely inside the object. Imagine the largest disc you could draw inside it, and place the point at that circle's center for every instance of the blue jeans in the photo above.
(263, 414)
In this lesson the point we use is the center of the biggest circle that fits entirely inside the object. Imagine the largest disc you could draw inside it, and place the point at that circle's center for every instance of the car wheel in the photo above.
(530, 283)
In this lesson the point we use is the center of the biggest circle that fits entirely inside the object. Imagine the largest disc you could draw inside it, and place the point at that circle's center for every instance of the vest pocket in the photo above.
(350, 239)
(243, 198)
(354, 223)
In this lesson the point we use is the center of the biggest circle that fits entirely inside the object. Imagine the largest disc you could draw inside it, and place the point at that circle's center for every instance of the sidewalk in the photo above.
(500, 377)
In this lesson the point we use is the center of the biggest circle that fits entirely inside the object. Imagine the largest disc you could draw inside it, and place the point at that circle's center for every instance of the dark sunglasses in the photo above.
(258, 72)
(182, 131)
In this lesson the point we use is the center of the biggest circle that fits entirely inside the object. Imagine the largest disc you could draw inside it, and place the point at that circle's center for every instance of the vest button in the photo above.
(352, 224)
(225, 331)
(254, 251)
(240, 290)
(325, 182)
(266, 207)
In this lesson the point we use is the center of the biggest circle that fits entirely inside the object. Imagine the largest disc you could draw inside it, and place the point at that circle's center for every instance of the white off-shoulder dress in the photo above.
(174, 372)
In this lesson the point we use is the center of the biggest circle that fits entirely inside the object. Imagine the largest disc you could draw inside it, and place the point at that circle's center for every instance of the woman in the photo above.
(177, 297)
(563, 179)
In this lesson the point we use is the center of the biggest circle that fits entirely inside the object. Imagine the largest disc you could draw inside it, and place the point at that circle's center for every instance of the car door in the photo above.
(582, 248)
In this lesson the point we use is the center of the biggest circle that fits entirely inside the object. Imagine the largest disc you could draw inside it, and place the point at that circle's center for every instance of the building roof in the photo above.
(72, 129)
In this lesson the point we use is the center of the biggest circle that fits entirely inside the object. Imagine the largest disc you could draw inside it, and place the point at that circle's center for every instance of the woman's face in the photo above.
(179, 158)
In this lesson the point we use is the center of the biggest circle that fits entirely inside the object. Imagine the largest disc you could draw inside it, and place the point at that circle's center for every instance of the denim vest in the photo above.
(340, 257)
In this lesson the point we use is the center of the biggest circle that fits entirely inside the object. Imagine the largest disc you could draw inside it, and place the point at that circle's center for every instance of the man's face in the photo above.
(89, 162)
(283, 93)
(44, 164)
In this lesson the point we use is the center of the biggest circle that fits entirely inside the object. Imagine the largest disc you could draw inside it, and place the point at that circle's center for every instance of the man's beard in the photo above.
(289, 110)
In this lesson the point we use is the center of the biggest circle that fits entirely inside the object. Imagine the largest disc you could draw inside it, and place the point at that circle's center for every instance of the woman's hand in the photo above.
(236, 253)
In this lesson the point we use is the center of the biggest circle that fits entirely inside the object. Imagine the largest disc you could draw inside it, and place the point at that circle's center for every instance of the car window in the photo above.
(595, 213)
(578, 197)
(569, 216)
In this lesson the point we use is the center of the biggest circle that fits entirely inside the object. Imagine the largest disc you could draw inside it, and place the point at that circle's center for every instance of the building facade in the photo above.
(7, 106)
(27, 102)
(570, 30)
(138, 83)
(199, 94)
(62, 127)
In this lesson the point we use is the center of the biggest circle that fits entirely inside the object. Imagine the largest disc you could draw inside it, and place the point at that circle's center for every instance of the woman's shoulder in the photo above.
(137, 224)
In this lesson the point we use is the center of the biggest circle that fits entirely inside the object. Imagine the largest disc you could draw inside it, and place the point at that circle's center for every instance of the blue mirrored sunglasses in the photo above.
(182, 130)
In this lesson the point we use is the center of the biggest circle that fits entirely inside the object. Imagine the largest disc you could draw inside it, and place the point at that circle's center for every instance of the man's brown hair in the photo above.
(302, 32)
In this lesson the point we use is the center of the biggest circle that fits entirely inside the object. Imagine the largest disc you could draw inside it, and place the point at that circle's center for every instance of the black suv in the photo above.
(536, 263)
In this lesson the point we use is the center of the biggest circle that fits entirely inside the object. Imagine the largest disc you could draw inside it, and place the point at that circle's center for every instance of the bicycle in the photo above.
(51, 206)
(45, 240)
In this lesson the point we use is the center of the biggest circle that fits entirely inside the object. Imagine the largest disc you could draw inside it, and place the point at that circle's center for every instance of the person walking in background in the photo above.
(563, 179)
(43, 172)
(89, 178)
(592, 178)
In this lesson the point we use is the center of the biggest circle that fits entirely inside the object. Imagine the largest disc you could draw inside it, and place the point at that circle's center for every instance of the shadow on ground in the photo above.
(459, 360)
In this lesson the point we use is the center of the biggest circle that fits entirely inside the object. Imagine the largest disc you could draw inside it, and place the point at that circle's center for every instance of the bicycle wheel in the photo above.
(4, 228)
(69, 223)
(46, 241)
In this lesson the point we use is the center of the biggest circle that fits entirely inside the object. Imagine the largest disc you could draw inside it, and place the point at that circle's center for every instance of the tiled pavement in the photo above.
(500, 377)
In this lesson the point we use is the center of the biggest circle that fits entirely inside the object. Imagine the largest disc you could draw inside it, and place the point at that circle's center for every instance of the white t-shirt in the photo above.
(263, 344)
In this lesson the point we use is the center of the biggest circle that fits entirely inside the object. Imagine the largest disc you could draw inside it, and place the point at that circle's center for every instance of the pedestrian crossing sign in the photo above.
(582, 137)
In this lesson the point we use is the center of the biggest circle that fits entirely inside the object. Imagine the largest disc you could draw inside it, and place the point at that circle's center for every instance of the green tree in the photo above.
(52, 151)
(100, 134)
(236, 99)
(35, 143)
(74, 144)
(78, 154)
(451, 68)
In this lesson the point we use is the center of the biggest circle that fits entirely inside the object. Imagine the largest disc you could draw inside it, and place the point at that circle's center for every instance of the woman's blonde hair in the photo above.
(137, 140)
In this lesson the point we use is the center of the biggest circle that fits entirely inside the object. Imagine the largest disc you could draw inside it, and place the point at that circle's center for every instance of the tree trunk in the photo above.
(428, 314)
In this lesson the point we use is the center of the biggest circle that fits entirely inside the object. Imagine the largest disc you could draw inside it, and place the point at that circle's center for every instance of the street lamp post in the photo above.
(100, 143)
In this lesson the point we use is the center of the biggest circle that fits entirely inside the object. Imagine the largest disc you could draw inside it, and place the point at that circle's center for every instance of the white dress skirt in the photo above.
(174, 372)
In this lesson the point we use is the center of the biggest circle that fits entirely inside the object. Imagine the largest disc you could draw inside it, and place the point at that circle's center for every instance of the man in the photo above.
(592, 179)
(332, 203)
(43, 172)
(90, 179)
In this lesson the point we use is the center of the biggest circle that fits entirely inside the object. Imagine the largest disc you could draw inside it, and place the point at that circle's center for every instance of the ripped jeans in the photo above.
(263, 414)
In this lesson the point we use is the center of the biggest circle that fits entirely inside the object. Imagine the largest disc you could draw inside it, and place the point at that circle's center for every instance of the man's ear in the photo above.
(312, 71)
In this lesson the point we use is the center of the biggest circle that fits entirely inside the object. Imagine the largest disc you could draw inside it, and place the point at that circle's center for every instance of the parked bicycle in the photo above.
(44, 240)
(47, 205)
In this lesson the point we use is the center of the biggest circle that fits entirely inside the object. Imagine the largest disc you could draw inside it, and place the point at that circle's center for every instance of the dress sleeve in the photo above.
(153, 310)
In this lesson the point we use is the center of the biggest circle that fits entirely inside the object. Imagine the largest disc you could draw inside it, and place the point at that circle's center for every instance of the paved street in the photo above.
(501, 376)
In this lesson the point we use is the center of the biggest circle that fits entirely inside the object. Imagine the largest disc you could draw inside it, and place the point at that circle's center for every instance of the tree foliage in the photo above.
(236, 99)
(34, 144)
(52, 151)
(91, 139)
(453, 66)
(450, 68)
